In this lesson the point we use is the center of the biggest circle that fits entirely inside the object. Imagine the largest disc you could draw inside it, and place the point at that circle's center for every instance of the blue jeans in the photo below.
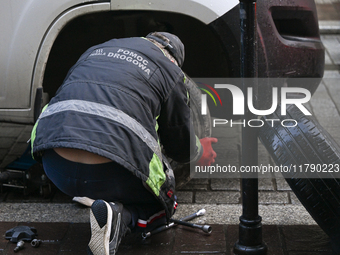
(108, 181)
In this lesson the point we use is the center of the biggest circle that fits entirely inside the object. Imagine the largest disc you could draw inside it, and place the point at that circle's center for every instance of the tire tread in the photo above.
(308, 142)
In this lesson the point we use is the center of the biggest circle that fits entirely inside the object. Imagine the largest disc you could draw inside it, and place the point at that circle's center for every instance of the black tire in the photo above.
(202, 125)
(307, 143)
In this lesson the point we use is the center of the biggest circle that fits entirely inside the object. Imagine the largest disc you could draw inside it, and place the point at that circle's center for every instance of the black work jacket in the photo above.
(121, 100)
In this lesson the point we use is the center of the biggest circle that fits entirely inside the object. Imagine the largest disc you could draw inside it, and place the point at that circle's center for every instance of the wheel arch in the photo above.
(50, 36)
(88, 29)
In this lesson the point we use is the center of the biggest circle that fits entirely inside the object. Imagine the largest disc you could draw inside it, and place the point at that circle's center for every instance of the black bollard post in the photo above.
(250, 227)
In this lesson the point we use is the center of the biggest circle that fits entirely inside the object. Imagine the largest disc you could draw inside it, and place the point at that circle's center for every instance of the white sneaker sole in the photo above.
(100, 237)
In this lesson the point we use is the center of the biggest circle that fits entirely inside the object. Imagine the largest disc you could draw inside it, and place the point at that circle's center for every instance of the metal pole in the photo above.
(250, 227)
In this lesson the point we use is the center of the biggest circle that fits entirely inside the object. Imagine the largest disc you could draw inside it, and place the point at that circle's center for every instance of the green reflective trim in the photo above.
(33, 135)
(188, 94)
(157, 126)
(34, 131)
(162, 51)
(198, 143)
(156, 175)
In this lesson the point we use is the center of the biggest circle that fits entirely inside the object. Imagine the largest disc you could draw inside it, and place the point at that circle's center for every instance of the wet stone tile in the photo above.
(306, 239)
(282, 185)
(77, 238)
(232, 237)
(294, 200)
(195, 187)
(266, 184)
(160, 243)
(185, 196)
(271, 237)
(194, 241)
(273, 198)
(217, 197)
(225, 184)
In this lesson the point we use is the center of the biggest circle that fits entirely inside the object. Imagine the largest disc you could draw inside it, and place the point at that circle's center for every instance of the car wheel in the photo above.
(307, 143)
(202, 126)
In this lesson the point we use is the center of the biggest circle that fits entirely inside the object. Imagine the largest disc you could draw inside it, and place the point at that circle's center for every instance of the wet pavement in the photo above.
(72, 238)
(63, 226)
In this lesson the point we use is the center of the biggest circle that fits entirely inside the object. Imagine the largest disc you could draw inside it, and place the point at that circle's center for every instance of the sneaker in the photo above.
(107, 228)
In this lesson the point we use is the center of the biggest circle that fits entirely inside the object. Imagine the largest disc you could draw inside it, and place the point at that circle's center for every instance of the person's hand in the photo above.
(209, 154)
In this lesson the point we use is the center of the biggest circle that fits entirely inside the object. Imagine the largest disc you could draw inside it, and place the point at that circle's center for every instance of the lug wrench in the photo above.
(172, 224)
(204, 228)
(194, 215)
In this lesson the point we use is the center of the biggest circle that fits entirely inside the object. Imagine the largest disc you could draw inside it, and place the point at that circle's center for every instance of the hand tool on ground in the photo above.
(194, 215)
(20, 246)
(172, 224)
(35, 243)
(18, 233)
(204, 228)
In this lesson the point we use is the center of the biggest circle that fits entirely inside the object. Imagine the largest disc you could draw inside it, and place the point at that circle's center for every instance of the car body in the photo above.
(43, 39)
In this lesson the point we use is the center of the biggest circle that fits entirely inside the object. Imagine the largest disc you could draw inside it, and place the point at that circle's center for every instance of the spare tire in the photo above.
(203, 128)
(307, 143)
